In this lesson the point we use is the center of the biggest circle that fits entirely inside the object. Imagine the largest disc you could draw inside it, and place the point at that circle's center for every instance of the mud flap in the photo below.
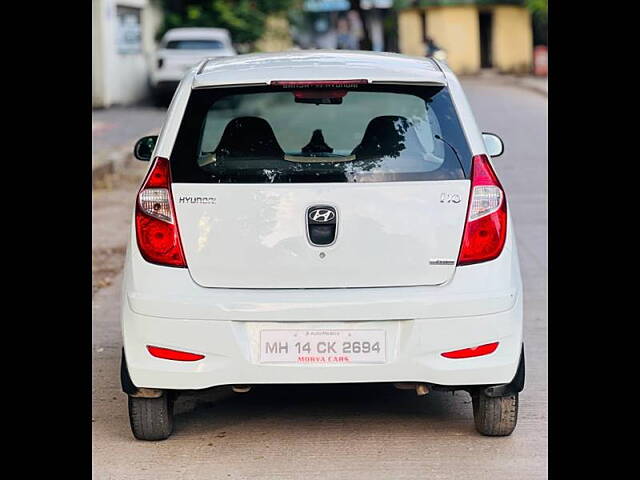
(515, 386)
(125, 380)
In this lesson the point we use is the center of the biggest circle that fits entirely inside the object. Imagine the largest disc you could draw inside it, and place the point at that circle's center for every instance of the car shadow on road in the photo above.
(372, 407)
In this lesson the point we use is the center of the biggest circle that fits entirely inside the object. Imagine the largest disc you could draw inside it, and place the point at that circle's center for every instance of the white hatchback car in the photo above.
(321, 217)
(180, 49)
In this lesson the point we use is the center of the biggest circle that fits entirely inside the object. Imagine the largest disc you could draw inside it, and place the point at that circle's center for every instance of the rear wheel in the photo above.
(151, 418)
(495, 416)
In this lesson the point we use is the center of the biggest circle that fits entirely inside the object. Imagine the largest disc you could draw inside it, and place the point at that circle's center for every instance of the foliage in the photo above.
(245, 19)
(538, 6)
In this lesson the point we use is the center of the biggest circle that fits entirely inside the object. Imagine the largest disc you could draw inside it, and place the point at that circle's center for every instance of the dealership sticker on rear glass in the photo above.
(322, 347)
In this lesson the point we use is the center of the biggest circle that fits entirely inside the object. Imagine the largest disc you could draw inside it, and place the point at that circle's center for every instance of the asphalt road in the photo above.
(326, 432)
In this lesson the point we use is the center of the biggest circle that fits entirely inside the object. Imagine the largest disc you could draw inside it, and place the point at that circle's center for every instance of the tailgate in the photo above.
(257, 236)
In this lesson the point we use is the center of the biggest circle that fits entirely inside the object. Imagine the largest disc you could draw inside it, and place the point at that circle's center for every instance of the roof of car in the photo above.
(296, 65)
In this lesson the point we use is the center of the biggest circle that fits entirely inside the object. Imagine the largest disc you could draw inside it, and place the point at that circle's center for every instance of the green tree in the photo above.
(538, 6)
(245, 19)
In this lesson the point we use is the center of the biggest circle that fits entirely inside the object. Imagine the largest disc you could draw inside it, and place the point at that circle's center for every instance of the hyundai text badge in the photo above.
(322, 222)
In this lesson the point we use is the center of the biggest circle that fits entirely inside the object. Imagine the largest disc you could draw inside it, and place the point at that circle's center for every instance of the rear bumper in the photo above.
(414, 350)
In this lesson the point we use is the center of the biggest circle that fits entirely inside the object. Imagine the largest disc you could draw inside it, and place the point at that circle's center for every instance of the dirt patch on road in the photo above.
(106, 264)
(127, 179)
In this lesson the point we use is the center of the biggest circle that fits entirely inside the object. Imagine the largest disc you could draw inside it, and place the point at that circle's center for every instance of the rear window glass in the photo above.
(284, 135)
(194, 44)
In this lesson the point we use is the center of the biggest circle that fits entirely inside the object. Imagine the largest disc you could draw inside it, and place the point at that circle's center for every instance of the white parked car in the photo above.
(179, 50)
(321, 217)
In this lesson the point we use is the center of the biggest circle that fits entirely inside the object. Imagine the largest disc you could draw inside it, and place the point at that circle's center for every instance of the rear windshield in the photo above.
(286, 135)
(194, 45)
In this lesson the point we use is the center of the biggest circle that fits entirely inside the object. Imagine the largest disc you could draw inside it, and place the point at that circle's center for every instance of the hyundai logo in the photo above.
(322, 225)
(321, 215)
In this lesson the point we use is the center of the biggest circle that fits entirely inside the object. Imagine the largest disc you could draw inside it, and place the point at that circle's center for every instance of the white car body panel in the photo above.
(164, 306)
(262, 229)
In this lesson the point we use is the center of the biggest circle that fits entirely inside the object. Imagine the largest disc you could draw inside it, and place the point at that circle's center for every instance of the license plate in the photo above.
(322, 347)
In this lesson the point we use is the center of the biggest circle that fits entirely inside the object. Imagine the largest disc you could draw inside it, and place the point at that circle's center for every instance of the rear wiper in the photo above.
(452, 148)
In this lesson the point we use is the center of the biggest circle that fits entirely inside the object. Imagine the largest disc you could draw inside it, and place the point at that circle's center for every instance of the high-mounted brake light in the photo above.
(318, 83)
(156, 225)
(177, 355)
(486, 228)
(472, 352)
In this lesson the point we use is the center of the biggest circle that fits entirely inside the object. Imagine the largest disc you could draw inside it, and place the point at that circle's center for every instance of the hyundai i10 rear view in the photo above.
(321, 217)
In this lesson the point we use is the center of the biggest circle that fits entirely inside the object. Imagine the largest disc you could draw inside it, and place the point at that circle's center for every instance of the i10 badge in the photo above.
(449, 198)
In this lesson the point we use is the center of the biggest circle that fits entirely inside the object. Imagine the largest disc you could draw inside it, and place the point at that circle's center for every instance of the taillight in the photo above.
(170, 354)
(156, 225)
(486, 228)
(472, 352)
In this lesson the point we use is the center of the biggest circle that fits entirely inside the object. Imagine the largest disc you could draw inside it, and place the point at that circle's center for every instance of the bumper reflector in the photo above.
(169, 354)
(472, 352)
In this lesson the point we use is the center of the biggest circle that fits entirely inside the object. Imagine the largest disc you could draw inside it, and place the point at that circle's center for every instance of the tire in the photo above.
(495, 416)
(151, 418)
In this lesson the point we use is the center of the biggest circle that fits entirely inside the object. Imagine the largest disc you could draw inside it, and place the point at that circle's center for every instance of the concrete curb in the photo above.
(106, 163)
(533, 84)
(113, 160)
